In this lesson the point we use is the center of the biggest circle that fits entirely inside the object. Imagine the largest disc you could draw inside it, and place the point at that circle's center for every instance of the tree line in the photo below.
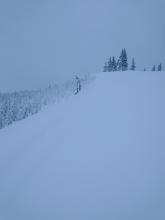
(159, 67)
(121, 64)
(16, 106)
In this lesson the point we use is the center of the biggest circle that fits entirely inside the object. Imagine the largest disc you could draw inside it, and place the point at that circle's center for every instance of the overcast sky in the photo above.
(42, 41)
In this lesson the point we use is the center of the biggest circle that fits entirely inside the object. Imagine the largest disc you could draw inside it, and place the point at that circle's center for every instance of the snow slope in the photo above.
(99, 155)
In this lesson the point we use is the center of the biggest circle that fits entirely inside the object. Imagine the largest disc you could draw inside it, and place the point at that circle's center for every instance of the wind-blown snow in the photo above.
(99, 155)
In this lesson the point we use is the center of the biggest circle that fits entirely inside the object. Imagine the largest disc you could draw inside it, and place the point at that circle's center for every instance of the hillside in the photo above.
(98, 155)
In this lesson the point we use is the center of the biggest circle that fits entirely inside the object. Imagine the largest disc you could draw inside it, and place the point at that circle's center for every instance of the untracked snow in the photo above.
(98, 155)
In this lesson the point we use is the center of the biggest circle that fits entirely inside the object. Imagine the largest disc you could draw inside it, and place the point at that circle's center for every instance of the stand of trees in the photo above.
(16, 106)
(159, 68)
(120, 64)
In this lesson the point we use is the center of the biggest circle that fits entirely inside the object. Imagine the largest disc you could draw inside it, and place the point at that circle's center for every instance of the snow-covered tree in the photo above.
(133, 66)
(78, 85)
(110, 65)
(123, 61)
(118, 65)
(114, 64)
(106, 67)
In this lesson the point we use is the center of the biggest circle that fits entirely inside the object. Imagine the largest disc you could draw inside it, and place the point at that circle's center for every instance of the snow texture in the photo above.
(98, 155)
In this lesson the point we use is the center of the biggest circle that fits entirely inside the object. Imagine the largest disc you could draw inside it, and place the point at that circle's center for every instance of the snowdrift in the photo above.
(98, 155)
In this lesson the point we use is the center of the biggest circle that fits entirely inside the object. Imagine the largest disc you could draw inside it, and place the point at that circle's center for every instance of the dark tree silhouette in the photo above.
(154, 68)
(133, 66)
(123, 61)
(160, 67)
(110, 65)
(114, 64)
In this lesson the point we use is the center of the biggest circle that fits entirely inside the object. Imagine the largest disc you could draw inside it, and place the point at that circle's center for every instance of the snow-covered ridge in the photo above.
(19, 105)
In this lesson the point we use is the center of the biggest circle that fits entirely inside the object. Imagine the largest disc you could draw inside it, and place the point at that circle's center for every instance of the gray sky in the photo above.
(42, 41)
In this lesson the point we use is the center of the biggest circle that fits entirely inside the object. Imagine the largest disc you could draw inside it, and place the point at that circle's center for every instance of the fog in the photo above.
(45, 41)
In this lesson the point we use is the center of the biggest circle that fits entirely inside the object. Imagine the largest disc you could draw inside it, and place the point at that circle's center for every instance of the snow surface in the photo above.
(99, 155)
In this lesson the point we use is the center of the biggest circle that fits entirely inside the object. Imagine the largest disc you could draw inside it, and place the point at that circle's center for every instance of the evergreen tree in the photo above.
(160, 67)
(123, 61)
(114, 64)
(154, 68)
(110, 65)
(106, 67)
(133, 66)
